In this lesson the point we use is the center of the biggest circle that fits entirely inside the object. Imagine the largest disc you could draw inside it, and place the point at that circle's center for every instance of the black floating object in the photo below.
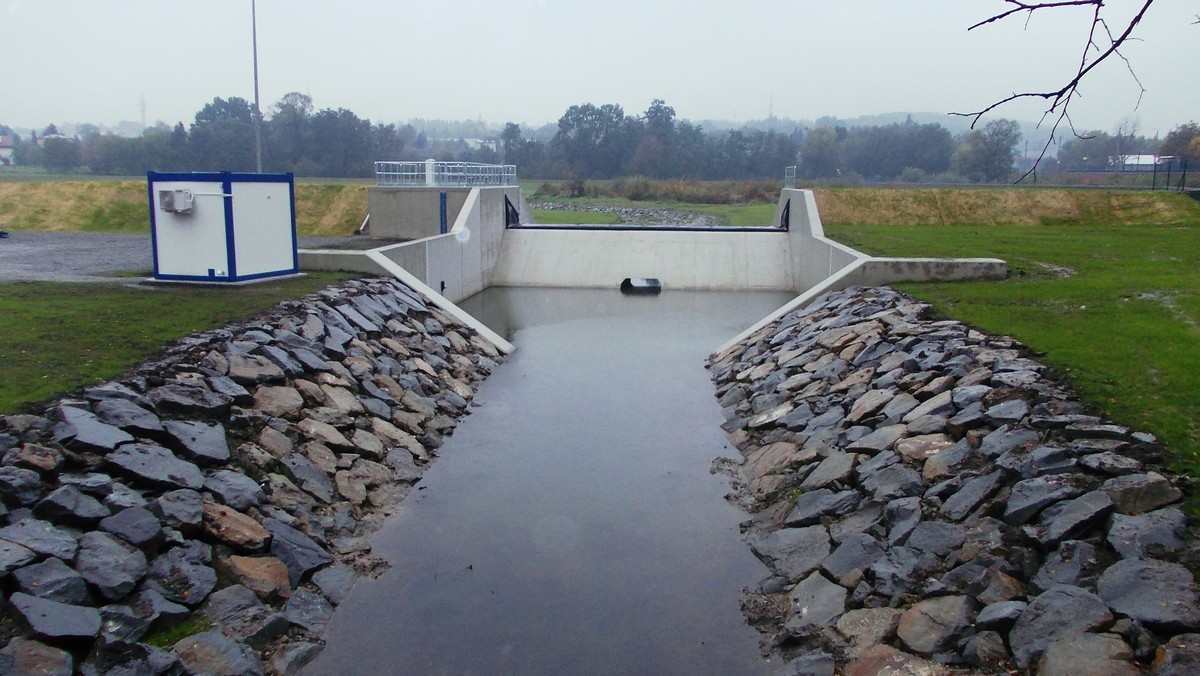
(641, 286)
(3, 234)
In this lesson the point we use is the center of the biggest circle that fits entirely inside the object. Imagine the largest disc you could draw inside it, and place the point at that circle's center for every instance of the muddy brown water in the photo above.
(571, 524)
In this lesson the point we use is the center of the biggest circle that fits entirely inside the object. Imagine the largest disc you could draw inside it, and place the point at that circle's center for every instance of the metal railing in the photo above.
(443, 174)
(789, 177)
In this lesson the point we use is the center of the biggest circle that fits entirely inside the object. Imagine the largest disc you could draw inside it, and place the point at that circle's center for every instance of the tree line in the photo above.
(589, 142)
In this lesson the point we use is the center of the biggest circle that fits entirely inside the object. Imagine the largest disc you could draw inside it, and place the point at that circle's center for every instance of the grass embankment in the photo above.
(1115, 307)
(56, 338)
(323, 208)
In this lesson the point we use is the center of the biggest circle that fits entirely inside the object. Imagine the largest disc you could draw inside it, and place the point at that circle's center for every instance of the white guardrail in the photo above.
(431, 173)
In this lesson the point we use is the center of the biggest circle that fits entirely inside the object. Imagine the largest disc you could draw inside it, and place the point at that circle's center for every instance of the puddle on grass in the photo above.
(570, 524)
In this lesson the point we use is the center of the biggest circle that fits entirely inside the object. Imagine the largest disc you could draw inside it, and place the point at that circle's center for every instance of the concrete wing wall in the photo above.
(679, 259)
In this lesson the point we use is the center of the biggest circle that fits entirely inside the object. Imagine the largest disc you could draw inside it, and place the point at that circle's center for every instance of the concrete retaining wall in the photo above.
(411, 213)
(680, 259)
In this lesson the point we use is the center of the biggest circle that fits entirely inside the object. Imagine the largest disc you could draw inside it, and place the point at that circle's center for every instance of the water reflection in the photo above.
(571, 524)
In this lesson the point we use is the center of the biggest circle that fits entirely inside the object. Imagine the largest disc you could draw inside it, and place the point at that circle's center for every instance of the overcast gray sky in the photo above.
(528, 60)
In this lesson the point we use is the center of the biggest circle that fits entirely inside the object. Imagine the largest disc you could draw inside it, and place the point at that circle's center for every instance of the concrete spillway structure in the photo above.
(492, 242)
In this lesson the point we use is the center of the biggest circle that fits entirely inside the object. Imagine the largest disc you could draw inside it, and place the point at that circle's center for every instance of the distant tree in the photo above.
(222, 136)
(592, 141)
(820, 156)
(1179, 141)
(988, 154)
(386, 143)
(341, 144)
(288, 132)
(61, 155)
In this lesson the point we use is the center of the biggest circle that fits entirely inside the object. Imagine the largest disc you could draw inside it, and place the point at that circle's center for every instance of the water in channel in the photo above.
(571, 523)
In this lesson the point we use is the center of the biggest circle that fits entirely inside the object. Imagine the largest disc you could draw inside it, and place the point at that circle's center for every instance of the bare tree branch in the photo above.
(1101, 44)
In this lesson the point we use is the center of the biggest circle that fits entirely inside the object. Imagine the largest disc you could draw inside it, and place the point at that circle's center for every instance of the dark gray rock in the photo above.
(986, 649)
(183, 575)
(297, 551)
(1058, 612)
(1158, 593)
(335, 581)
(185, 400)
(290, 365)
(1140, 493)
(123, 497)
(229, 388)
(1159, 532)
(156, 466)
(19, 486)
(793, 552)
(895, 572)
(858, 552)
(1005, 439)
(199, 442)
(1110, 463)
(308, 610)
(41, 537)
(813, 505)
(82, 430)
(893, 481)
(834, 468)
(972, 494)
(182, 509)
(112, 567)
(235, 489)
(1011, 411)
(54, 580)
(291, 658)
(130, 417)
(816, 602)
(936, 537)
(1031, 496)
(122, 658)
(137, 525)
(1066, 565)
(1000, 615)
(309, 477)
(1077, 517)
(55, 622)
(69, 506)
(812, 663)
(213, 653)
(92, 483)
(241, 615)
(901, 516)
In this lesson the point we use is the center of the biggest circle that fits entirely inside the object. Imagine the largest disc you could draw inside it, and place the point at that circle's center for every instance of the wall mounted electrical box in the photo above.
(222, 226)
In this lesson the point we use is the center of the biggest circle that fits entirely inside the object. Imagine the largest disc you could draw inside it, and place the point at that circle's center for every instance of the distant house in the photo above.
(49, 133)
(7, 150)
(1139, 162)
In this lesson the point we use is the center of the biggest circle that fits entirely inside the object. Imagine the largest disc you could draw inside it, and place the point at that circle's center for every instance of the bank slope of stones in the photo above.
(231, 483)
(928, 499)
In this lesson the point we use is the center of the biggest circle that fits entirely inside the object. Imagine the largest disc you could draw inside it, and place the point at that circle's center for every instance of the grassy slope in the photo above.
(1115, 308)
(322, 207)
(56, 338)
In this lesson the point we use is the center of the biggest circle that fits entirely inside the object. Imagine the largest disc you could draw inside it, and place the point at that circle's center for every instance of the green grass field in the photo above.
(1115, 309)
(56, 338)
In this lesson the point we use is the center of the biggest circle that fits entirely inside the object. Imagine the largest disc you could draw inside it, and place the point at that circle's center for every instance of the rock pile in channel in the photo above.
(229, 484)
(929, 499)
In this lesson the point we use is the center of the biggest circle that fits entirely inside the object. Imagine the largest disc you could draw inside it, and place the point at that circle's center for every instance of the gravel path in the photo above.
(84, 256)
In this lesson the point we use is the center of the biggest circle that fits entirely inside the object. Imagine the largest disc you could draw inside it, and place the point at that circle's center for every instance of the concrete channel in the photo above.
(572, 524)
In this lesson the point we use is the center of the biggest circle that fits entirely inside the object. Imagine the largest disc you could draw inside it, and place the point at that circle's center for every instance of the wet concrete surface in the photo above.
(571, 524)
(28, 255)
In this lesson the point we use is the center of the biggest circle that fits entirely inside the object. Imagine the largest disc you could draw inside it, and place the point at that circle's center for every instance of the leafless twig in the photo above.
(1101, 44)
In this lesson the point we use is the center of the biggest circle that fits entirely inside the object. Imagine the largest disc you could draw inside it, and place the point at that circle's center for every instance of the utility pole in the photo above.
(257, 107)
